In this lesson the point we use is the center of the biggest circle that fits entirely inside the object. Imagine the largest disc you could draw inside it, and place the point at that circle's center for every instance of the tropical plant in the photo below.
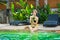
(44, 12)
(12, 7)
(58, 5)
(24, 12)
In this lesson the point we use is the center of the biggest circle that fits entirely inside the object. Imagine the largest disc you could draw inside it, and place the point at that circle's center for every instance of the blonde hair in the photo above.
(35, 10)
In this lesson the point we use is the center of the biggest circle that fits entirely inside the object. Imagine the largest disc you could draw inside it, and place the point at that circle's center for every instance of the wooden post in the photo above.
(45, 2)
(37, 3)
(7, 8)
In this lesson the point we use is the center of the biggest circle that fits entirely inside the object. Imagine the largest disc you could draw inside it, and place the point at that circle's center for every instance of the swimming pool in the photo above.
(17, 35)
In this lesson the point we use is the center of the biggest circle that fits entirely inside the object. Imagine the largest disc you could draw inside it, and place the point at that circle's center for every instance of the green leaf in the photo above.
(12, 7)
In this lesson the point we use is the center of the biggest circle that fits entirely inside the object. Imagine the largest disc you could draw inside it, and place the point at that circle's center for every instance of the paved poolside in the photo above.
(40, 27)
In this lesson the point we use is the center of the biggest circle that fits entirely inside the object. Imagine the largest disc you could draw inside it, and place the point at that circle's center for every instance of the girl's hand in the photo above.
(34, 23)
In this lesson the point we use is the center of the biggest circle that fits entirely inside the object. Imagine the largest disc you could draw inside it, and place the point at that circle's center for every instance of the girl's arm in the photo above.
(30, 19)
(36, 20)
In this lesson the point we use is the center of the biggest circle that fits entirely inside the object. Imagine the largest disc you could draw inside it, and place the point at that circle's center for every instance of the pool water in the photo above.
(17, 35)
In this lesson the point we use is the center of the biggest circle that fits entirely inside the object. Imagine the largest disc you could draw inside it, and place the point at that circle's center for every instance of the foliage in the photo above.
(44, 12)
(58, 5)
(24, 12)
(12, 7)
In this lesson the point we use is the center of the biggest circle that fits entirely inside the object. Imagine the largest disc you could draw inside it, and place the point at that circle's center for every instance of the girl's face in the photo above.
(34, 12)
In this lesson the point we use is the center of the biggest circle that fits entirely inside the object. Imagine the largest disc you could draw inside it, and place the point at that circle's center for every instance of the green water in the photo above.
(19, 35)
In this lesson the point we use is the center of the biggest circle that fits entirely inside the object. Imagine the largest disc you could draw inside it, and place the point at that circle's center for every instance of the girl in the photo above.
(34, 20)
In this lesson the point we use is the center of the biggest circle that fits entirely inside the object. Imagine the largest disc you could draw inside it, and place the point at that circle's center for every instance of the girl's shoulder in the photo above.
(36, 17)
(31, 16)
